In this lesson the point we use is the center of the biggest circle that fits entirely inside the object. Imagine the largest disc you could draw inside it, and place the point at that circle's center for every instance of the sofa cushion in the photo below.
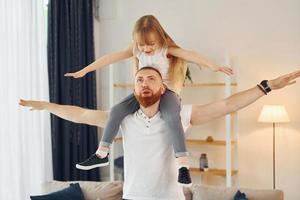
(91, 190)
(204, 192)
(73, 192)
(98, 190)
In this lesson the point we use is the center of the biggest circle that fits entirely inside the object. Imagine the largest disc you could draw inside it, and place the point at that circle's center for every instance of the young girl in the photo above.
(153, 47)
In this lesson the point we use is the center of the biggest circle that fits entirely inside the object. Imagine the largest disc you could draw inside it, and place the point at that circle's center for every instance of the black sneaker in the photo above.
(93, 162)
(184, 177)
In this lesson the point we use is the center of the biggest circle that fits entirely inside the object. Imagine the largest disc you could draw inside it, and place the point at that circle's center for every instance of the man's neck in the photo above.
(151, 110)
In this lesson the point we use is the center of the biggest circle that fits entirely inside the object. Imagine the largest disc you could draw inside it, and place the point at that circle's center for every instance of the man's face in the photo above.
(148, 87)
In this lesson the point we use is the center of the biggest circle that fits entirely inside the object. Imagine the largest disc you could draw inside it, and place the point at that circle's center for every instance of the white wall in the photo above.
(262, 38)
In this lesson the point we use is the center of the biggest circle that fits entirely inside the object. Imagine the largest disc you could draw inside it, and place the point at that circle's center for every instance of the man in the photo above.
(144, 133)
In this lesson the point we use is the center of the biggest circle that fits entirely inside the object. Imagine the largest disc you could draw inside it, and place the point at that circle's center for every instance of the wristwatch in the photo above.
(264, 86)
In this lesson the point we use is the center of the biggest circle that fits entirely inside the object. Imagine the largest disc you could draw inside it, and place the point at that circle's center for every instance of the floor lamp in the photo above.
(273, 114)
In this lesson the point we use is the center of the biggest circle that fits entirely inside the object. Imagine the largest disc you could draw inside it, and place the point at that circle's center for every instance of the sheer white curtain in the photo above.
(25, 142)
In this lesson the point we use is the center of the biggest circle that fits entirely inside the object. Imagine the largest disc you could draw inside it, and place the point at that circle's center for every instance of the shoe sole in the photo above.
(91, 167)
(185, 185)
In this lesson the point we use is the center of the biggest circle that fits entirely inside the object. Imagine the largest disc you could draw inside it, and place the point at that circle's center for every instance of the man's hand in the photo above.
(208, 112)
(35, 105)
(284, 80)
(78, 74)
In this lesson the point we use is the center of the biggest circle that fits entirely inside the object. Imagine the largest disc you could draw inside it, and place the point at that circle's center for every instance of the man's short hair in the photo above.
(151, 68)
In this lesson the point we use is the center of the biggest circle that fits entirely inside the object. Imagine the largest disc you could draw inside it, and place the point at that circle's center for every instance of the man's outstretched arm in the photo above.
(72, 113)
(205, 113)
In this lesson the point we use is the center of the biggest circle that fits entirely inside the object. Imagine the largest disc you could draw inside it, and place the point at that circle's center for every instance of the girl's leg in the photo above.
(117, 114)
(170, 110)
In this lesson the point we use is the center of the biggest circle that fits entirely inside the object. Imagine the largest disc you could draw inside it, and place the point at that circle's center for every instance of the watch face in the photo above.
(265, 85)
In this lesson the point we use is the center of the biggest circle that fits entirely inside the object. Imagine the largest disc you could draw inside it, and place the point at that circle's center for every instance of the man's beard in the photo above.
(148, 101)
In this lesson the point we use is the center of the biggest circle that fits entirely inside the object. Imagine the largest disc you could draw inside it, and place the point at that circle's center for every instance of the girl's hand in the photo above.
(225, 70)
(78, 74)
(35, 105)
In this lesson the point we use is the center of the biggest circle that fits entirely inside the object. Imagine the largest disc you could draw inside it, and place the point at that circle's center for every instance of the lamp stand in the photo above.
(274, 155)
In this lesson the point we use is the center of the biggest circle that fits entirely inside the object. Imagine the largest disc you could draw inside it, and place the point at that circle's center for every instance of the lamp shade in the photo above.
(273, 114)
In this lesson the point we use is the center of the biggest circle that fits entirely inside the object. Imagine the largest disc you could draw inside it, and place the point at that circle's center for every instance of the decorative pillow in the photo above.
(91, 190)
(71, 193)
(240, 196)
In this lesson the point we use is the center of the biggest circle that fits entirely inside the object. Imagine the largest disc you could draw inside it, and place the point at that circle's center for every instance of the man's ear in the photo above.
(163, 89)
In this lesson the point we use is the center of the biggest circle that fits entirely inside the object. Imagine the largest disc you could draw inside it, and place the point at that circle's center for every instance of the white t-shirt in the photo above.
(158, 60)
(150, 170)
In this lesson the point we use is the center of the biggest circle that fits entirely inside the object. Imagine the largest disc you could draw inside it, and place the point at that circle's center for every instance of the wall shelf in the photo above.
(197, 142)
(213, 143)
(190, 85)
(213, 172)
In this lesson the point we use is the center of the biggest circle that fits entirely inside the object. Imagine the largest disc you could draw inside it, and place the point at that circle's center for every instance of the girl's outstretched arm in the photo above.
(72, 113)
(103, 61)
(194, 57)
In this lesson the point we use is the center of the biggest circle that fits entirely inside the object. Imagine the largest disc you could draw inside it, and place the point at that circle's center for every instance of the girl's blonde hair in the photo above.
(147, 25)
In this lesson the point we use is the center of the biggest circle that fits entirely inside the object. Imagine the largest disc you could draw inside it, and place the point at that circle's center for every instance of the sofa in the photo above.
(113, 191)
